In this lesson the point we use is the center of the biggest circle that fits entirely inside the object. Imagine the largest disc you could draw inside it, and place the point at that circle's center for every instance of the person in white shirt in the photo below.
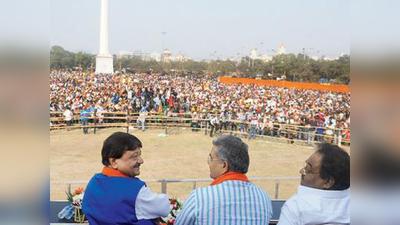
(253, 127)
(215, 125)
(260, 127)
(242, 119)
(195, 122)
(323, 196)
(99, 113)
(68, 114)
(141, 122)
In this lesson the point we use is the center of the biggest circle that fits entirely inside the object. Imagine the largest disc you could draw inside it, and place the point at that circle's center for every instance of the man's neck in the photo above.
(230, 176)
(111, 172)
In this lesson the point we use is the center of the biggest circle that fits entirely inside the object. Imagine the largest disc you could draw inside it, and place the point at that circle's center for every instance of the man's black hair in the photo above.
(335, 164)
(117, 144)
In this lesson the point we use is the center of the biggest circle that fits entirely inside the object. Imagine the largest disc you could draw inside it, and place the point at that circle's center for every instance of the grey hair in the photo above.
(234, 151)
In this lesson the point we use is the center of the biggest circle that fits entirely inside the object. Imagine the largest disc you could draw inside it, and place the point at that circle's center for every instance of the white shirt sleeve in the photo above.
(288, 217)
(151, 205)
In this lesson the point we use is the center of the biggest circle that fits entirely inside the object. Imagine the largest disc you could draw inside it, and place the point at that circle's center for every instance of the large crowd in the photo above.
(245, 107)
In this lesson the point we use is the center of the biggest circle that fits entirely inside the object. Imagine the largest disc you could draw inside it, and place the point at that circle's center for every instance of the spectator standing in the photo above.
(68, 114)
(84, 119)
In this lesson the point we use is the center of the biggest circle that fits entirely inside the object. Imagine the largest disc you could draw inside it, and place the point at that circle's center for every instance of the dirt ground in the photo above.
(76, 157)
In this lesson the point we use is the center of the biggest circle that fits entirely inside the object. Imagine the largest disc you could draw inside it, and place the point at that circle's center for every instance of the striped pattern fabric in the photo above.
(230, 203)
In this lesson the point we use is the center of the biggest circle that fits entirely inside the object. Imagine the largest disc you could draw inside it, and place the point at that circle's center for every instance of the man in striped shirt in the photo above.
(231, 198)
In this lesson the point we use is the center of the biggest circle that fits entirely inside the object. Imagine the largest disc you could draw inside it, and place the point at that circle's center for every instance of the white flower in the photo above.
(77, 200)
(168, 218)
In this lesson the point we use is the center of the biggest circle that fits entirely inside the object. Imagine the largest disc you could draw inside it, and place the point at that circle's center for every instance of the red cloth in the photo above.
(171, 103)
(230, 176)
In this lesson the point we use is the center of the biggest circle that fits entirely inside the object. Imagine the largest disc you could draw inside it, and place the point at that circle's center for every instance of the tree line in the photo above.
(291, 67)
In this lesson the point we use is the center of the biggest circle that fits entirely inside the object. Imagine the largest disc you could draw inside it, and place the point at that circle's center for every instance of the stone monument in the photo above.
(104, 60)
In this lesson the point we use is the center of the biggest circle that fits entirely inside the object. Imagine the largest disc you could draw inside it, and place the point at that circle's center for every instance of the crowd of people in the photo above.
(247, 108)
(323, 195)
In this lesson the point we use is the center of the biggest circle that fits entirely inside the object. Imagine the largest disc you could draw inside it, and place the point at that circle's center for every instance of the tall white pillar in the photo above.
(104, 60)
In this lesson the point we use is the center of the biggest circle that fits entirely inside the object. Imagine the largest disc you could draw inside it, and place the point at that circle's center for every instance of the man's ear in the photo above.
(329, 184)
(225, 167)
(113, 163)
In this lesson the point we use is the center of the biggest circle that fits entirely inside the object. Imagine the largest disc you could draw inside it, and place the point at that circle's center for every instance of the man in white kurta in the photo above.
(324, 194)
(315, 206)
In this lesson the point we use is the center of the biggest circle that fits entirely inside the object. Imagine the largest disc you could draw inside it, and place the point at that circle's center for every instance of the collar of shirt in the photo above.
(303, 190)
(230, 176)
(110, 172)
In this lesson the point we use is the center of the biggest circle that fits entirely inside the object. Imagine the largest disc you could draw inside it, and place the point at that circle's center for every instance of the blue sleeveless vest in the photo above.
(111, 200)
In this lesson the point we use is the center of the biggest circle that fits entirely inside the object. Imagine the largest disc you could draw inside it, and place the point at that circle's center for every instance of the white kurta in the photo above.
(315, 206)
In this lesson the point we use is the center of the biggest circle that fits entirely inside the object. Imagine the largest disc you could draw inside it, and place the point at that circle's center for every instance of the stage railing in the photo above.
(164, 182)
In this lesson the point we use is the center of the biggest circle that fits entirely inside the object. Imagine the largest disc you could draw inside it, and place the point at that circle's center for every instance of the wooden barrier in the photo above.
(287, 132)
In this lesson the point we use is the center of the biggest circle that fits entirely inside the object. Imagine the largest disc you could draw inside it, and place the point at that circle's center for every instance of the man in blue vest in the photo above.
(84, 119)
(116, 196)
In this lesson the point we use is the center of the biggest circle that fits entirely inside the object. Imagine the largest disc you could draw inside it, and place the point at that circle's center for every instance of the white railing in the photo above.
(164, 182)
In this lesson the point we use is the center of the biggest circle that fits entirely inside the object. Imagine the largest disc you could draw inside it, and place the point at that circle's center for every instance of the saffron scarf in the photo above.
(230, 176)
(108, 171)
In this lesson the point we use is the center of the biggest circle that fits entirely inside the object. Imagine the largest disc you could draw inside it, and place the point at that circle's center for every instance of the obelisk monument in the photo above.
(104, 60)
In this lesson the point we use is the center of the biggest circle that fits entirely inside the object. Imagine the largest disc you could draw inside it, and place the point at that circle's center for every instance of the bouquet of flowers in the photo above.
(75, 208)
(176, 208)
(76, 198)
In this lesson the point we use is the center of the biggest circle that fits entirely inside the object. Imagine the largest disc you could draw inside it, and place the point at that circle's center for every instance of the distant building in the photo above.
(231, 58)
(282, 49)
(316, 58)
(180, 58)
(166, 56)
(266, 58)
(328, 59)
(155, 56)
(124, 55)
(253, 54)
(136, 54)
(143, 56)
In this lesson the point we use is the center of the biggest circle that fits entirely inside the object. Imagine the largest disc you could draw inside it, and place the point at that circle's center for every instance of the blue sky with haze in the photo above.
(198, 28)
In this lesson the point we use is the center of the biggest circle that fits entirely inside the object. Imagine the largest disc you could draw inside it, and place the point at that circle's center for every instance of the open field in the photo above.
(76, 157)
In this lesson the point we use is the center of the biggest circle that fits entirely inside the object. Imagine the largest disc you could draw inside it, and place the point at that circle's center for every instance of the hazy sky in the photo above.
(198, 28)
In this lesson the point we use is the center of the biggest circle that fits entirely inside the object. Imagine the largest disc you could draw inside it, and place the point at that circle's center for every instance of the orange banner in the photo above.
(287, 84)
